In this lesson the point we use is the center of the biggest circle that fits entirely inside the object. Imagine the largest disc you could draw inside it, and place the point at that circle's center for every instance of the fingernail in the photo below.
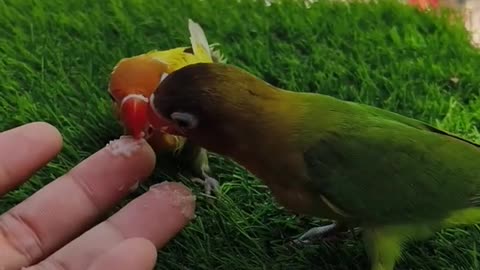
(179, 196)
(131, 188)
(134, 186)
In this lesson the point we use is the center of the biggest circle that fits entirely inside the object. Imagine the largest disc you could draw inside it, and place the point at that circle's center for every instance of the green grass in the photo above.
(56, 56)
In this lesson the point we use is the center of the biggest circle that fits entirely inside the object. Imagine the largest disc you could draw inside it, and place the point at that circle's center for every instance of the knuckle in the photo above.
(21, 236)
(86, 189)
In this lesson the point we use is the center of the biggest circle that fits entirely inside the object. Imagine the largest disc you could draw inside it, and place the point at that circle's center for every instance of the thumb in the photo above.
(130, 254)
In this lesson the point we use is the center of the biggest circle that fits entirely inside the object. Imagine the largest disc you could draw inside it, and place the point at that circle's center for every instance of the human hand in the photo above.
(53, 229)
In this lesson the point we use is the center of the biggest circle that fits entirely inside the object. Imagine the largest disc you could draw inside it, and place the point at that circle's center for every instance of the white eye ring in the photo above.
(184, 120)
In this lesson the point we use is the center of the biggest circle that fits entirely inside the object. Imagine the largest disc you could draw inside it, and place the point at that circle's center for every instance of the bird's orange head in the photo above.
(424, 4)
(132, 82)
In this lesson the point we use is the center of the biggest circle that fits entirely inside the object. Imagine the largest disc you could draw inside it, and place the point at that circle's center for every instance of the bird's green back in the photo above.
(381, 167)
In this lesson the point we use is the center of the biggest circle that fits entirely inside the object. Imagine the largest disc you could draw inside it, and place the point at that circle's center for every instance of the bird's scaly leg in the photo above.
(315, 233)
(324, 231)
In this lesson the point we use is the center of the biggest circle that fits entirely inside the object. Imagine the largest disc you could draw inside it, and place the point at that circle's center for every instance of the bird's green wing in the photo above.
(407, 121)
(382, 167)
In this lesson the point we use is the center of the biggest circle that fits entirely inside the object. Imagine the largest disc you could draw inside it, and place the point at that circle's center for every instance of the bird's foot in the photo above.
(326, 232)
(315, 233)
(209, 183)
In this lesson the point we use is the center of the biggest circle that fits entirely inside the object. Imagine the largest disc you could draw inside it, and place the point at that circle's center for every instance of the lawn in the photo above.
(56, 57)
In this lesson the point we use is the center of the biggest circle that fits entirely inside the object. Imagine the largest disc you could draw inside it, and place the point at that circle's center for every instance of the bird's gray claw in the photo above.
(314, 233)
(324, 232)
(209, 183)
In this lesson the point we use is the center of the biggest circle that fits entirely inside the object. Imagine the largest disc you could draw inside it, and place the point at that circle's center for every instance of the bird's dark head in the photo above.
(214, 105)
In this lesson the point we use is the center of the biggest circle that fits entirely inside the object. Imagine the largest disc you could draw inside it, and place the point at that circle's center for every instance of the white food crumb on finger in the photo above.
(125, 146)
(176, 198)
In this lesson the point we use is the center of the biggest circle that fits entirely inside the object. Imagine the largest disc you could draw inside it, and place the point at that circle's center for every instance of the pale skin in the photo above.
(63, 226)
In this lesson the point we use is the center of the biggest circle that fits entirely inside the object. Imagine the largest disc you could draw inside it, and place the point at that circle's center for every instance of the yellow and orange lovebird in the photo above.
(134, 79)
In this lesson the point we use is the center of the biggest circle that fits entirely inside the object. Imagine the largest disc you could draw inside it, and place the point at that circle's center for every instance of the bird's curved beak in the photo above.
(133, 112)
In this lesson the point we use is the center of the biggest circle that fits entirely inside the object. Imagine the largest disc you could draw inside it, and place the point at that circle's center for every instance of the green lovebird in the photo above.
(396, 178)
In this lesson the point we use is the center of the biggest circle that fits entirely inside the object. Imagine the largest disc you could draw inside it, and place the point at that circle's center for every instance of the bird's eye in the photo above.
(184, 120)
